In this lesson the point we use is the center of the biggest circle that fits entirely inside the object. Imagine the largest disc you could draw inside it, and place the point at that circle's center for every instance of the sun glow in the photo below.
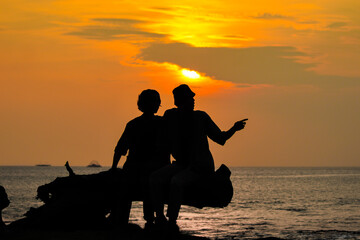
(190, 73)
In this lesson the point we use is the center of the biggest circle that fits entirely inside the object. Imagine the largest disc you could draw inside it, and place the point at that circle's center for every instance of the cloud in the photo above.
(232, 37)
(271, 16)
(162, 9)
(118, 21)
(308, 22)
(335, 25)
(254, 65)
(114, 28)
(110, 33)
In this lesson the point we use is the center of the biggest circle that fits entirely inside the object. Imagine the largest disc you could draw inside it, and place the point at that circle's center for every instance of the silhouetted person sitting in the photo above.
(4, 203)
(187, 131)
(142, 141)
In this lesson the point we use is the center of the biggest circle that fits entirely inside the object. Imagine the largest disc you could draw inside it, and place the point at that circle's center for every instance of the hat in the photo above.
(183, 91)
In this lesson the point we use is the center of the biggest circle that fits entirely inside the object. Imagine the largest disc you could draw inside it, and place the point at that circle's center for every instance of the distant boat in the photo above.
(94, 164)
(43, 165)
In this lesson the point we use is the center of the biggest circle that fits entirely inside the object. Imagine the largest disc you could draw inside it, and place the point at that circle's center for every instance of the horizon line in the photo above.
(276, 166)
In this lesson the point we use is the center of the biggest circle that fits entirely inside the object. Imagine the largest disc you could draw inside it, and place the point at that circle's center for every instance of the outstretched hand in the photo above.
(240, 124)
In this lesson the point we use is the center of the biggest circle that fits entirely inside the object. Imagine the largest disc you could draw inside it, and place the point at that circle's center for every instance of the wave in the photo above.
(293, 209)
(327, 234)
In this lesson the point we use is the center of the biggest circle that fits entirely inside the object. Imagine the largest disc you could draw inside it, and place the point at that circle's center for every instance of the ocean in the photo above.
(283, 202)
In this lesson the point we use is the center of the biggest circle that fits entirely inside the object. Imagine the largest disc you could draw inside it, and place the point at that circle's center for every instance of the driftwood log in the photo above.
(85, 201)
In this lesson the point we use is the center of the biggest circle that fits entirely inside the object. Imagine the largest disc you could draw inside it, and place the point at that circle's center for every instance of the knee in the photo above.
(155, 180)
(182, 181)
(175, 183)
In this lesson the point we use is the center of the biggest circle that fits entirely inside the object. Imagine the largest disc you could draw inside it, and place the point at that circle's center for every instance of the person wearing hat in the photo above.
(188, 131)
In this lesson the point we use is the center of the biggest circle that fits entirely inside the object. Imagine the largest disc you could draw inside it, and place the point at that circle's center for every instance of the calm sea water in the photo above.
(289, 203)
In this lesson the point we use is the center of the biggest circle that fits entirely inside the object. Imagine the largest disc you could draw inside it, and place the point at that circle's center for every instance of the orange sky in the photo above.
(71, 72)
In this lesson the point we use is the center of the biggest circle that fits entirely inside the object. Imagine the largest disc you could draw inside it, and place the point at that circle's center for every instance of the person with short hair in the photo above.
(141, 142)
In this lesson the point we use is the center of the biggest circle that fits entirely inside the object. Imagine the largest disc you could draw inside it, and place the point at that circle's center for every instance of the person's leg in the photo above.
(124, 209)
(159, 186)
(122, 205)
(148, 213)
(178, 184)
(148, 208)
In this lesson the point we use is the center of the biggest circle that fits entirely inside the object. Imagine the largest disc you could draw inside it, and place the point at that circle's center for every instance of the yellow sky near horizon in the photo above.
(71, 72)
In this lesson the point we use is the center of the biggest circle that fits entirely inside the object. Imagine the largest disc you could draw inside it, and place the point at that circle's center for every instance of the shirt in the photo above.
(142, 140)
(187, 134)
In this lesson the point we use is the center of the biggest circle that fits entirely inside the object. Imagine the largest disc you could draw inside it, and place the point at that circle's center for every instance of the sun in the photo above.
(190, 73)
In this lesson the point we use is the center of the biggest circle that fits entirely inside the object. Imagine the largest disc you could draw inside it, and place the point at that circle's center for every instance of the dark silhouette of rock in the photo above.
(4, 203)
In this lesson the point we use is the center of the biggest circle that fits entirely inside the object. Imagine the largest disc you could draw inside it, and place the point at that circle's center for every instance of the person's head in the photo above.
(149, 101)
(184, 97)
